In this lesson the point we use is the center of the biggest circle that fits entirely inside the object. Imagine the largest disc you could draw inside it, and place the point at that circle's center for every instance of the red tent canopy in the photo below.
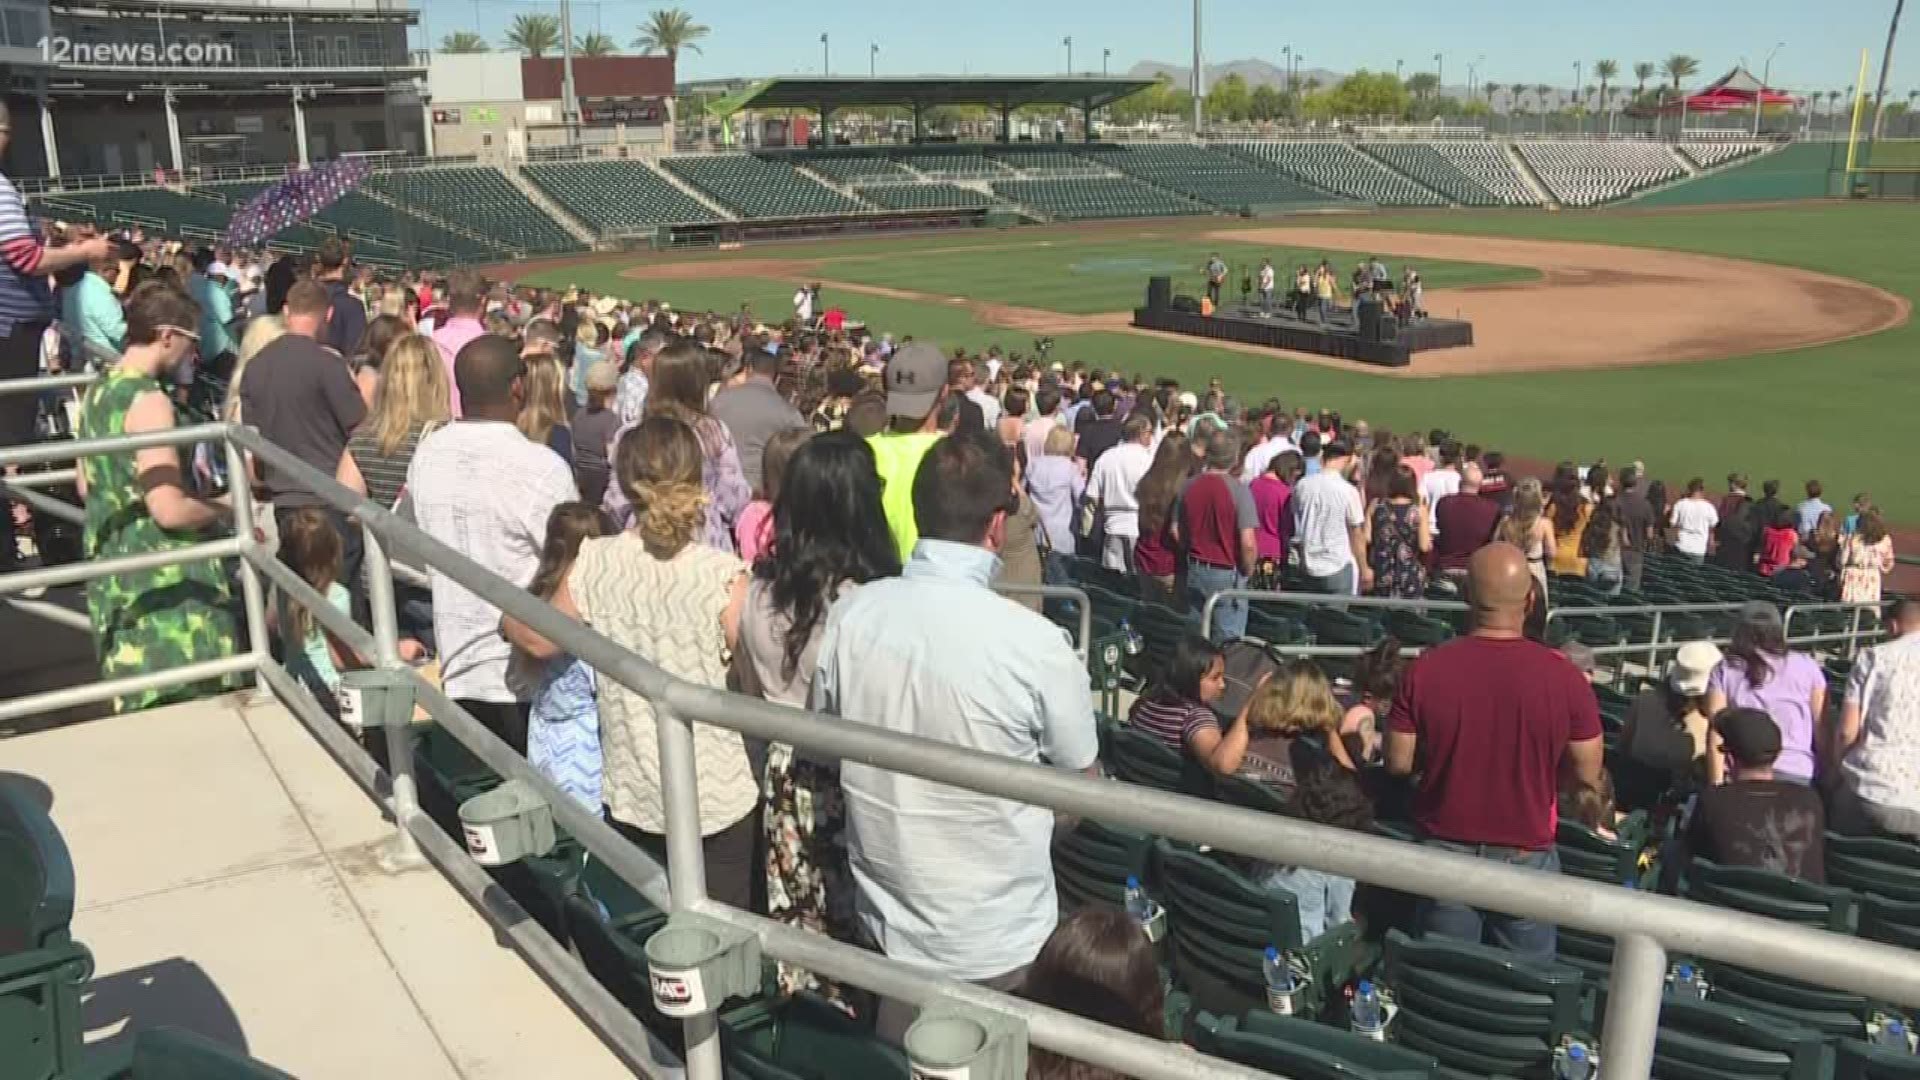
(1735, 91)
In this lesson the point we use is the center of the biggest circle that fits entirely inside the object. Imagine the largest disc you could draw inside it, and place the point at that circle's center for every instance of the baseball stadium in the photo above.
(519, 562)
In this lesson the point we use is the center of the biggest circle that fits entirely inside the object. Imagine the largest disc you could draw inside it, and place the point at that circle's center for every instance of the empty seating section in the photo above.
(616, 196)
(955, 164)
(1590, 173)
(1034, 160)
(1469, 173)
(1096, 197)
(1212, 176)
(482, 200)
(853, 168)
(923, 196)
(374, 227)
(1712, 155)
(1340, 169)
(761, 188)
(178, 211)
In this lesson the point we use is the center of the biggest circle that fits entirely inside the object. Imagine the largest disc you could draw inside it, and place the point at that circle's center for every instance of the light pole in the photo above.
(1199, 73)
(1068, 42)
(1574, 98)
(826, 55)
(1766, 73)
(1439, 81)
(1472, 69)
(1105, 56)
(873, 59)
(1399, 69)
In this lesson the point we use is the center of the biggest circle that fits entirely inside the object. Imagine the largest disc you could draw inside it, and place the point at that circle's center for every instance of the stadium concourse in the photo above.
(1400, 641)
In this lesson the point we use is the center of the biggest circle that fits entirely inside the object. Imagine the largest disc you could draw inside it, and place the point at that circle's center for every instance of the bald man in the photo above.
(1491, 721)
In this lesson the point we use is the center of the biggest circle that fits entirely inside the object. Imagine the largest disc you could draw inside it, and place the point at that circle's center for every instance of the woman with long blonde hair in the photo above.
(412, 400)
(1528, 528)
(616, 585)
(543, 417)
(262, 331)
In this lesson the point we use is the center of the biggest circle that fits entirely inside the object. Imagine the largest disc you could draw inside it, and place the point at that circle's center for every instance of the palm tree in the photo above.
(535, 35)
(1679, 66)
(463, 41)
(1642, 71)
(1491, 89)
(595, 44)
(1606, 71)
(669, 31)
(1540, 93)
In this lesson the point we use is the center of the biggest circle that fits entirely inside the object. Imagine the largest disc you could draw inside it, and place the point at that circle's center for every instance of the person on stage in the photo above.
(1216, 277)
(1266, 286)
(1324, 290)
(1302, 293)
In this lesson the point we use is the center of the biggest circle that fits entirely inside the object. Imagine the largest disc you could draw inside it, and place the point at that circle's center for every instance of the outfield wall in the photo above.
(1799, 171)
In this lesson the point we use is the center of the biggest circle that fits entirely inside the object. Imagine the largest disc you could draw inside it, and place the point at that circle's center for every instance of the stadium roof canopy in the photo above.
(926, 91)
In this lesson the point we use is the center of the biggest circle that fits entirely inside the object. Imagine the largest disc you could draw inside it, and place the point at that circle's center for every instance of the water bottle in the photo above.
(1281, 984)
(1369, 1019)
(1573, 1062)
(1139, 907)
(1130, 638)
(1689, 982)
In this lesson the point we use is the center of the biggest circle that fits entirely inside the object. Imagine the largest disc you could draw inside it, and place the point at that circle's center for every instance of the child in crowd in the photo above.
(593, 430)
(563, 730)
(311, 548)
(1592, 807)
(754, 531)
(1100, 966)
(1376, 679)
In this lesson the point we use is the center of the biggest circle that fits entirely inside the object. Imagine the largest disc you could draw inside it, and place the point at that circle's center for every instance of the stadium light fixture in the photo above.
(1766, 76)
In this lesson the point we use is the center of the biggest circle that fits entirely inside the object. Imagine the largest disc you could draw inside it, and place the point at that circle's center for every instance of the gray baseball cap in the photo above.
(915, 375)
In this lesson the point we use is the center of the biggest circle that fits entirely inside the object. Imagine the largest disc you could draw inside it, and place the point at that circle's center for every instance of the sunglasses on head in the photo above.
(183, 332)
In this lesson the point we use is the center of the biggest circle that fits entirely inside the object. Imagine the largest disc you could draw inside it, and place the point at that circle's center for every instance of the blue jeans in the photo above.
(1229, 616)
(1325, 900)
(1531, 939)
(1338, 583)
(1605, 576)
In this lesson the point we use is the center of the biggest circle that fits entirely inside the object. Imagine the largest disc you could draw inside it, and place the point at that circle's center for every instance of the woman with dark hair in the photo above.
(678, 389)
(367, 357)
(1399, 535)
(1657, 499)
(829, 537)
(1569, 511)
(1865, 557)
(1761, 672)
(1600, 545)
(1156, 556)
(1013, 418)
(1178, 708)
(1100, 966)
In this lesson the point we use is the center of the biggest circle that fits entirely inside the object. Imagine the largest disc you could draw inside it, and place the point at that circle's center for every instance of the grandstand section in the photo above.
(1079, 198)
(1338, 168)
(1211, 176)
(924, 196)
(761, 187)
(1042, 160)
(963, 164)
(1807, 170)
(376, 228)
(853, 168)
(1712, 155)
(1469, 173)
(482, 199)
(615, 197)
(1591, 173)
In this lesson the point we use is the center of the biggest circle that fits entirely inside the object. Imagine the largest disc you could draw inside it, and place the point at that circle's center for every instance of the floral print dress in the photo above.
(1394, 554)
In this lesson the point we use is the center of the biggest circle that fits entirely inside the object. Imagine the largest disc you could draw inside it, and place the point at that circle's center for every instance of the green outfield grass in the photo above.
(1842, 412)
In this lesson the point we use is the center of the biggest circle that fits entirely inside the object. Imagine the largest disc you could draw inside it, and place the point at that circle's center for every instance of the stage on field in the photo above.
(1387, 342)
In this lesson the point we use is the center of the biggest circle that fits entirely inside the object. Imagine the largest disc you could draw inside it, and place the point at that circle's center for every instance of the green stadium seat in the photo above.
(1478, 1009)
(912, 196)
(1092, 862)
(42, 969)
(1880, 866)
(805, 1038)
(481, 200)
(1777, 896)
(1215, 177)
(1590, 172)
(1864, 1061)
(1220, 924)
(1893, 922)
(1304, 1050)
(761, 187)
(173, 1054)
(609, 924)
(1586, 854)
(1249, 794)
(1135, 757)
(616, 196)
(1086, 197)
(1469, 173)
(1708, 1039)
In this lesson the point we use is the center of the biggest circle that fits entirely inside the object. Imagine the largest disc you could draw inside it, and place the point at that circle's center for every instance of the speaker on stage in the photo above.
(1188, 304)
(1378, 324)
(1159, 293)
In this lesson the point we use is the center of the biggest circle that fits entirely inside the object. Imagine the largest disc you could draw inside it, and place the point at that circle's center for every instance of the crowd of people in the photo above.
(819, 517)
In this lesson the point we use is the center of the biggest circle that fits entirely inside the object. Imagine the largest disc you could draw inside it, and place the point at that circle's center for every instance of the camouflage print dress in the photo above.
(147, 620)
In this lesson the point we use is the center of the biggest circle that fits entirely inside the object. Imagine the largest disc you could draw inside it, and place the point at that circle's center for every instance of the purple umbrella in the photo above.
(294, 199)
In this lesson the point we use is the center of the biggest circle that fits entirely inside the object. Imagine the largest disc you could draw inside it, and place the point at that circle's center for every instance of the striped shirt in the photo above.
(385, 476)
(1173, 722)
(24, 294)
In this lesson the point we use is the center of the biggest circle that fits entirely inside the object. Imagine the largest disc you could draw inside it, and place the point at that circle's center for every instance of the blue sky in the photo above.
(1535, 42)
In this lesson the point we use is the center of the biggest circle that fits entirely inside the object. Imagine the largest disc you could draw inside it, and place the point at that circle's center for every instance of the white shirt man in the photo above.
(1261, 455)
(1327, 520)
(1441, 481)
(1113, 485)
(1693, 519)
(1266, 285)
(1880, 732)
(803, 304)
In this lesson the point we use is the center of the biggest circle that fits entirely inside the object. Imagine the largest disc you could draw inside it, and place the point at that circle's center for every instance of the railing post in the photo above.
(253, 598)
(1853, 634)
(1633, 1008)
(1653, 647)
(404, 852)
(686, 866)
(1206, 616)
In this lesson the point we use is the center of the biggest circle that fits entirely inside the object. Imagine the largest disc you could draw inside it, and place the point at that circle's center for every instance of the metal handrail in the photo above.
(1646, 926)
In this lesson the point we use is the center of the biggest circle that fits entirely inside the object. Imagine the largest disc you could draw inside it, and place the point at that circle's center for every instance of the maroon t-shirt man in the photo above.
(1214, 510)
(1493, 718)
(1463, 523)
